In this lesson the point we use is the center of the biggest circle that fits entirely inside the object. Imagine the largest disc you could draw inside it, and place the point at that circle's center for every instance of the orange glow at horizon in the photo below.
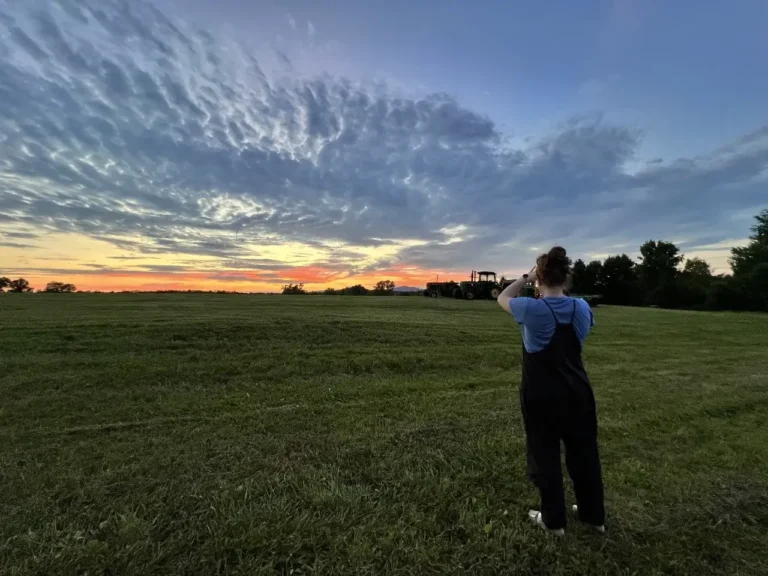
(313, 278)
(92, 264)
(97, 265)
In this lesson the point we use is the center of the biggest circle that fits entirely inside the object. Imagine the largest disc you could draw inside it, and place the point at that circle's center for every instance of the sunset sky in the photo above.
(242, 145)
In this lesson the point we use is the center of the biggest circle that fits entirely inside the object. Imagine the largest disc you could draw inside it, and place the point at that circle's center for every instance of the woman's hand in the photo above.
(532, 273)
(514, 289)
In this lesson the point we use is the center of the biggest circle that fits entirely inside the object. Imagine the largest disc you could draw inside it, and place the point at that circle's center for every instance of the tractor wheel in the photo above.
(434, 294)
(495, 293)
(458, 294)
(470, 295)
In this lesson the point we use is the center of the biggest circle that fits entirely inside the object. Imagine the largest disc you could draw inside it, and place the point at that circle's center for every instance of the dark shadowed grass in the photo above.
(205, 434)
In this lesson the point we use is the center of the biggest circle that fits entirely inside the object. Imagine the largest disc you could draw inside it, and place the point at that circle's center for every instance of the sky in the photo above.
(243, 145)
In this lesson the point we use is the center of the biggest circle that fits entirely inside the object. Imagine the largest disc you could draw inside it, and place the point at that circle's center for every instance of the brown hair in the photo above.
(552, 268)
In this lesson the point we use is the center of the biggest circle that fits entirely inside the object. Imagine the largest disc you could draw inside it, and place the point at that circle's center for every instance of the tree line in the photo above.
(663, 277)
(21, 286)
(382, 288)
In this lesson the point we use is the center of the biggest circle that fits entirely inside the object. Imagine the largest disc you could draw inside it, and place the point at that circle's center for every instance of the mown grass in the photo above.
(202, 434)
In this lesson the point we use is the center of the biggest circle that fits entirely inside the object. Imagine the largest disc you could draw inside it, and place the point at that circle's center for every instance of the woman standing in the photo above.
(556, 397)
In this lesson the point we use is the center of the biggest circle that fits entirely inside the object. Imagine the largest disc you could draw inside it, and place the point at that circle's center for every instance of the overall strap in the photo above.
(573, 314)
(550, 309)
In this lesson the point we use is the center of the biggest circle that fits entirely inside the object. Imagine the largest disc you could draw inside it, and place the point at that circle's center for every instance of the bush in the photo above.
(727, 294)
(356, 290)
(20, 285)
(384, 288)
(60, 287)
(294, 289)
(759, 286)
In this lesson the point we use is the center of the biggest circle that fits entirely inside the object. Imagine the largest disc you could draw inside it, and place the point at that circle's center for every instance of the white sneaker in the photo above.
(536, 518)
(600, 528)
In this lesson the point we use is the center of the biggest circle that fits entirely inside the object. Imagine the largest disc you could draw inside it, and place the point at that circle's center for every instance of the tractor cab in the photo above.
(486, 276)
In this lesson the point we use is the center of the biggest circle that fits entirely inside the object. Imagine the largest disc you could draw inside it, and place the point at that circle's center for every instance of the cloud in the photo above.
(10, 244)
(120, 124)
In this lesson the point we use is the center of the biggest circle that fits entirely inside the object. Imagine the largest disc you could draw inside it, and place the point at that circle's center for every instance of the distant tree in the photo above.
(586, 278)
(659, 261)
(294, 289)
(593, 277)
(4, 283)
(759, 286)
(356, 290)
(698, 268)
(330, 292)
(19, 285)
(578, 274)
(384, 287)
(618, 280)
(60, 287)
(745, 258)
(727, 293)
(691, 288)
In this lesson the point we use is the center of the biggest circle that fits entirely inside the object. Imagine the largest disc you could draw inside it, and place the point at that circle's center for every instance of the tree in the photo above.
(384, 287)
(692, 284)
(745, 258)
(578, 275)
(618, 280)
(4, 283)
(60, 287)
(330, 292)
(593, 277)
(658, 270)
(294, 289)
(727, 293)
(698, 268)
(759, 286)
(19, 285)
(356, 290)
(586, 278)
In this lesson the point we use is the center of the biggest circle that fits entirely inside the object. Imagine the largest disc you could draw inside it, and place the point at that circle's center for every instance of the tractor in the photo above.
(481, 285)
(445, 289)
(528, 290)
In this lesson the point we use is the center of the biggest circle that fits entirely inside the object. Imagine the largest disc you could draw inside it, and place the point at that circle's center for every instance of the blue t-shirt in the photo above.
(537, 322)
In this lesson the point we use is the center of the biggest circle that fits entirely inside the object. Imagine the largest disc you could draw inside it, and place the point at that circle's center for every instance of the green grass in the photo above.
(202, 434)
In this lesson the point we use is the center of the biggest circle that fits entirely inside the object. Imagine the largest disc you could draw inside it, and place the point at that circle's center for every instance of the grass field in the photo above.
(202, 434)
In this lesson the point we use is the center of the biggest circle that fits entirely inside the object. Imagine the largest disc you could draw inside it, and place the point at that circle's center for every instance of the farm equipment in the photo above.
(592, 300)
(444, 289)
(481, 285)
(484, 286)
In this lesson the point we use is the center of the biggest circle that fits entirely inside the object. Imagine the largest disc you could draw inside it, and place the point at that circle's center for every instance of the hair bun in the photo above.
(553, 267)
(557, 254)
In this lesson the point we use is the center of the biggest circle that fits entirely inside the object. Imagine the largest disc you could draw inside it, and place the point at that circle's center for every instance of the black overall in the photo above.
(558, 404)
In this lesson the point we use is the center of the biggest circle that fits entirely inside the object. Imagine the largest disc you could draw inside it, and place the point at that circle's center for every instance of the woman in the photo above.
(555, 395)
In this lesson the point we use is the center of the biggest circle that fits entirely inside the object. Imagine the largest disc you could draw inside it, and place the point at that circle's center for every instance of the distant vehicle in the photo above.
(592, 299)
(530, 290)
(483, 285)
(444, 289)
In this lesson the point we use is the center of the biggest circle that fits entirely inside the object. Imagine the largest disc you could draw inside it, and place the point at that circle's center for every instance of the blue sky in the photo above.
(251, 142)
(689, 74)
